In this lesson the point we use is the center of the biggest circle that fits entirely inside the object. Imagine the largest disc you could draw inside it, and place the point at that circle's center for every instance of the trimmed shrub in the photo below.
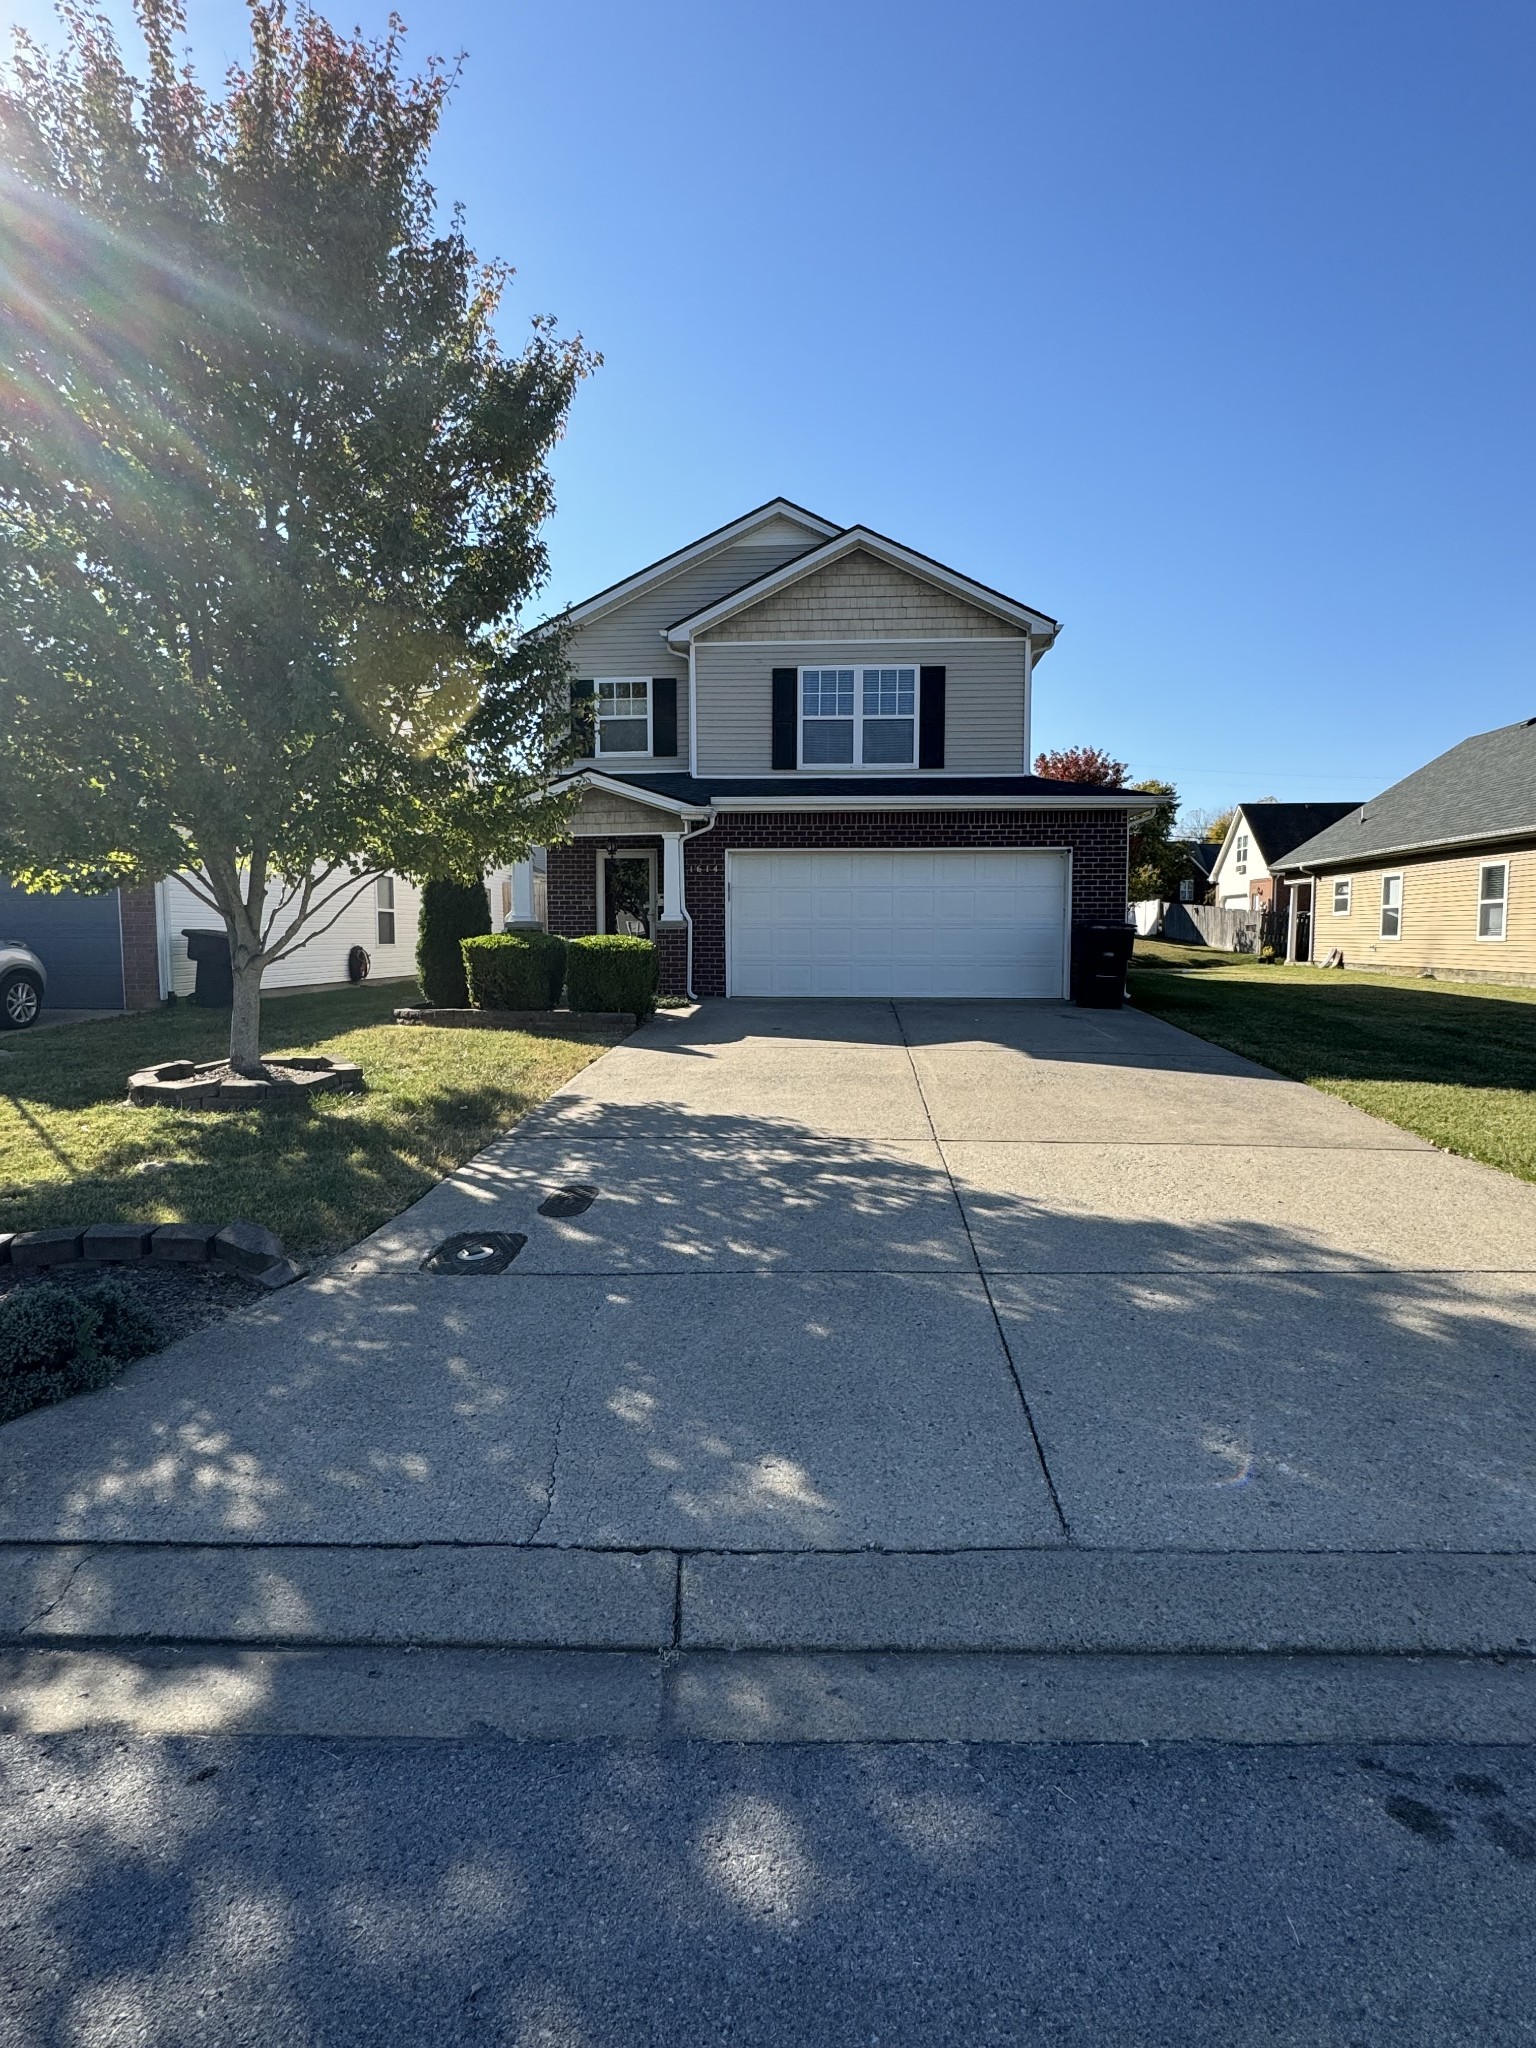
(515, 970)
(57, 1341)
(607, 972)
(451, 912)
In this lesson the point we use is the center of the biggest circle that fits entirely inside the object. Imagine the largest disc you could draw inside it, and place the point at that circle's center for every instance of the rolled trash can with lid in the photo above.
(1101, 953)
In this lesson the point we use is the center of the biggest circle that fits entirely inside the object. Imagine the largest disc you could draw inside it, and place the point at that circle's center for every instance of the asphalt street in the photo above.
(251, 1891)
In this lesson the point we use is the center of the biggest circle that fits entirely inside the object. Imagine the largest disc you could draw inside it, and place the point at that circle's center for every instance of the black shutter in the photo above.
(786, 688)
(664, 715)
(930, 719)
(583, 733)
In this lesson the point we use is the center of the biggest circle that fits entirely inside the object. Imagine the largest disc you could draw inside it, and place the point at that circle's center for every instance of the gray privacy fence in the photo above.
(1202, 924)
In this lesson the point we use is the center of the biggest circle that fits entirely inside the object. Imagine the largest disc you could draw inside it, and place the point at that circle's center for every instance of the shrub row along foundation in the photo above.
(246, 1248)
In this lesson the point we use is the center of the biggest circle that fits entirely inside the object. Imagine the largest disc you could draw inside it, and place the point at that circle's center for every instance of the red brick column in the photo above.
(141, 949)
(571, 880)
(672, 958)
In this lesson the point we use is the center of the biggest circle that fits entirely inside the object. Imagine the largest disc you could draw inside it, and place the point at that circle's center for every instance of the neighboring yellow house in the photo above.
(1435, 875)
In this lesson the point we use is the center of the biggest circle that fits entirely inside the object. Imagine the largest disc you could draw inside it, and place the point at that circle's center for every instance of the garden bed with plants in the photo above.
(71, 1329)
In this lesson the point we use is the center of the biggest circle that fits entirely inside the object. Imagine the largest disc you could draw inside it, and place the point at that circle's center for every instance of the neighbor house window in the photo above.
(1342, 893)
(858, 717)
(1492, 899)
(1240, 853)
(386, 910)
(1391, 906)
(624, 715)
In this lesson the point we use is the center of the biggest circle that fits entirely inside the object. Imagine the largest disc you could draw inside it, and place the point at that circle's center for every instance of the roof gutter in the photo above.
(1463, 842)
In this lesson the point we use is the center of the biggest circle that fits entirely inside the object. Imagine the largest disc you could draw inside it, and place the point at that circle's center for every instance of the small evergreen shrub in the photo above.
(451, 912)
(515, 970)
(57, 1341)
(606, 972)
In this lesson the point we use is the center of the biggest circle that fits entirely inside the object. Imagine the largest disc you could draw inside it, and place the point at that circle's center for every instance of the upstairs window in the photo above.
(858, 717)
(1492, 899)
(1391, 906)
(1240, 853)
(623, 715)
(1343, 893)
(385, 909)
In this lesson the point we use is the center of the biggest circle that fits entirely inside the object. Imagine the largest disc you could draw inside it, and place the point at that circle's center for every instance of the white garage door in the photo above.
(897, 924)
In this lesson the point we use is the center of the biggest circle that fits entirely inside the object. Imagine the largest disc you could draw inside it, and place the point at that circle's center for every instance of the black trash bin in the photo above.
(209, 953)
(1101, 953)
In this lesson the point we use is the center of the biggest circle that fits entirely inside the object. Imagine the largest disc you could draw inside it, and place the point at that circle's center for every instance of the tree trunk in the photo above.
(245, 1017)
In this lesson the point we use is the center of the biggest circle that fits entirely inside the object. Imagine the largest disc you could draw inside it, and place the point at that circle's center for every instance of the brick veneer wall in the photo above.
(571, 904)
(141, 949)
(1097, 840)
(571, 881)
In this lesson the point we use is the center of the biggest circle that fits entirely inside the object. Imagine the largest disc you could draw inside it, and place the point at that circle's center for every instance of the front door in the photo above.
(629, 894)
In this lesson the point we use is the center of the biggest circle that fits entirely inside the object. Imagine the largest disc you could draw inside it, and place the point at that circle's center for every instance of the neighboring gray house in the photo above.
(806, 772)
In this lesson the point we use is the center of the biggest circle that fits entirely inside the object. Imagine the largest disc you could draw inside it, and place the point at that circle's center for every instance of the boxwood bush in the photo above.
(607, 972)
(451, 912)
(57, 1341)
(515, 970)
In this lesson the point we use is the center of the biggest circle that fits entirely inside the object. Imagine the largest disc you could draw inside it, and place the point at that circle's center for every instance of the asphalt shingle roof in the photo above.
(1276, 828)
(1483, 789)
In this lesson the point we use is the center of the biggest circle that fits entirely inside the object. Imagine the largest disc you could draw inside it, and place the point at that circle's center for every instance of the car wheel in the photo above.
(21, 997)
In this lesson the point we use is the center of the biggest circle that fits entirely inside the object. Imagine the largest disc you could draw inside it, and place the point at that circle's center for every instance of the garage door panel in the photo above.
(971, 923)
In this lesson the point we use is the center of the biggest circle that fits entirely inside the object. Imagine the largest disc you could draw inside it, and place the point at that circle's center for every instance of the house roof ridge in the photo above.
(718, 537)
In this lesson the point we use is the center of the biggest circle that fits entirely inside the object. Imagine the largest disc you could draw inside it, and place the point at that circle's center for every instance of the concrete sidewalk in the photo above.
(915, 1328)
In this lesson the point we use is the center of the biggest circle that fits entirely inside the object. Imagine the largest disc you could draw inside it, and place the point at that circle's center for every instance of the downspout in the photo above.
(1029, 692)
(682, 862)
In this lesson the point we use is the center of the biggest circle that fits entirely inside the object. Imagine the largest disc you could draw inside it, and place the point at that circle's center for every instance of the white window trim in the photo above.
(857, 766)
(1347, 884)
(1391, 875)
(599, 752)
(1493, 938)
(1240, 853)
(384, 906)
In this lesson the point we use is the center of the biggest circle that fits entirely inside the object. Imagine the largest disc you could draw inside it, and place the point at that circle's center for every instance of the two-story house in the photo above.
(804, 772)
(1257, 840)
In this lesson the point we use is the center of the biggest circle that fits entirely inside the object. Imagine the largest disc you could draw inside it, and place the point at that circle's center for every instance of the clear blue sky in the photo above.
(1205, 325)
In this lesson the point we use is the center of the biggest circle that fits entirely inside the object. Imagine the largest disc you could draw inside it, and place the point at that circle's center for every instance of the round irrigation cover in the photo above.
(475, 1251)
(569, 1201)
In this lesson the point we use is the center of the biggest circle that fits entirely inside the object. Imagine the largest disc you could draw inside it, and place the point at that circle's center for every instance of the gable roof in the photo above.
(1276, 828)
(816, 528)
(1483, 789)
(852, 539)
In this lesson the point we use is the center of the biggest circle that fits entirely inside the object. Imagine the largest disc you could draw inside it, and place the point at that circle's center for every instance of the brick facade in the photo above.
(572, 903)
(1097, 841)
(141, 949)
(672, 959)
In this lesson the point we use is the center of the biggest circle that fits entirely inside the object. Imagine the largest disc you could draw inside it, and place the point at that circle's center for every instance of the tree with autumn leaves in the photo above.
(271, 489)
(1156, 863)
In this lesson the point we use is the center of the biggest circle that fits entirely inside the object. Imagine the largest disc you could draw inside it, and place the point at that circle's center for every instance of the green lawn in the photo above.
(72, 1150)
(1453, 1061)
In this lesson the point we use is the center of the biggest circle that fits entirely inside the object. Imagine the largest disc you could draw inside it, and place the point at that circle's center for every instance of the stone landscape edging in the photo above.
(246, 1248)
(207, 1084)
(518, 1020)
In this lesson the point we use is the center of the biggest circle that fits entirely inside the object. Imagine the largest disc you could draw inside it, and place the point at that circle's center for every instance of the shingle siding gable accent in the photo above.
(857, 596)
(1095, 839)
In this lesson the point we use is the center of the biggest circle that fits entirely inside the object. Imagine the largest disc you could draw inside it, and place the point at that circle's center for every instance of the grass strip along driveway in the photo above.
(1454, 1062)
(72, 1149)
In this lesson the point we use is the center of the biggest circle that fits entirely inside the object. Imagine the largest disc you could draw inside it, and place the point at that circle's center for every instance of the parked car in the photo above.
(23, 981)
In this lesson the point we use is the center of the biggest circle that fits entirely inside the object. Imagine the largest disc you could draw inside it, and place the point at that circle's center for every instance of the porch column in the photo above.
(522, 918)
(671, 924)
(1292, 904)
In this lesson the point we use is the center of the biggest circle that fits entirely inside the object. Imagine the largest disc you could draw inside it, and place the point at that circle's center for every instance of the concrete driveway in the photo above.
(913, 1277)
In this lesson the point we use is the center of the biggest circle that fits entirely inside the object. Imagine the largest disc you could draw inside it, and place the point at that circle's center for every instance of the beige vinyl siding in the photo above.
(631, 639)
(857, 595)
(1439, 920)
(984, 699)
(322, 959)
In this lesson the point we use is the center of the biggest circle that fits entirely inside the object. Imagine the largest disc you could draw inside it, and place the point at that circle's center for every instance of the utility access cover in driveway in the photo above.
(475, 1251)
